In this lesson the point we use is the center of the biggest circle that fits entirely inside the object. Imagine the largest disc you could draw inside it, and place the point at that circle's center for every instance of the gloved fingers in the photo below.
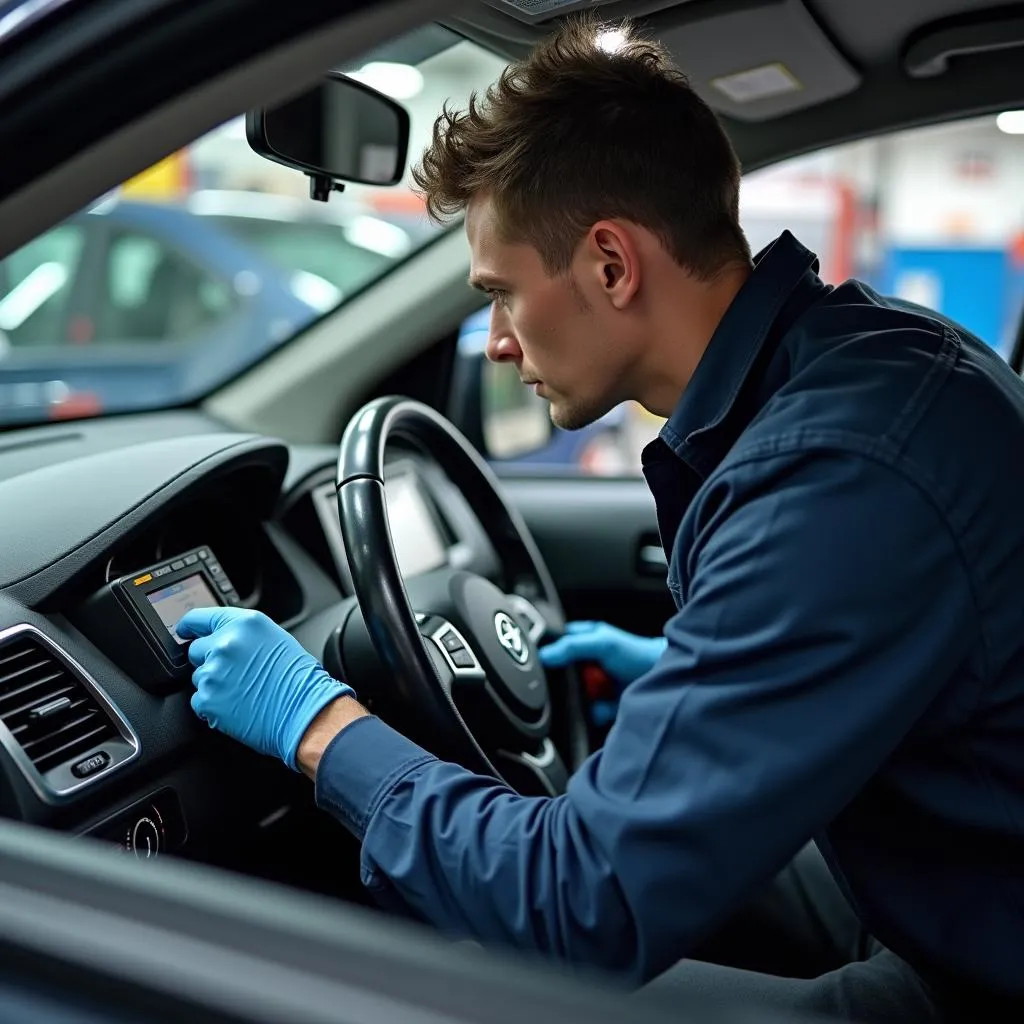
(581, 626)
(202, 621)
(567, 649)
(199, 650)
(198, 703)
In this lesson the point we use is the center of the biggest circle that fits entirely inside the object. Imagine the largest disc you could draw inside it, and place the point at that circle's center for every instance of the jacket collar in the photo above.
(734, 347)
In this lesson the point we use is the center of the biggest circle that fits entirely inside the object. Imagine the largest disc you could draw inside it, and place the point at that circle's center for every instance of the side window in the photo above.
(151, 293)
(932, 215)
(35, 285)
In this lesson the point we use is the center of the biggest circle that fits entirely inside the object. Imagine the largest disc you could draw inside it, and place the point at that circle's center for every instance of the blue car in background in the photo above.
(135, 304)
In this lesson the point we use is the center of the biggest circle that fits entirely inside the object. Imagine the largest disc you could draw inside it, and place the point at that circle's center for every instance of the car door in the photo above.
(94, 937)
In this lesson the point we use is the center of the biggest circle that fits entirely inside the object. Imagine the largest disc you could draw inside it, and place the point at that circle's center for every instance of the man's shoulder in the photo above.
(851, 323)
(875, 374)
(888, 382)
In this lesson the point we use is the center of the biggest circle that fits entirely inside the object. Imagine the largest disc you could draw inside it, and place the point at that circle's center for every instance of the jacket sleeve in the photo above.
(826, 604)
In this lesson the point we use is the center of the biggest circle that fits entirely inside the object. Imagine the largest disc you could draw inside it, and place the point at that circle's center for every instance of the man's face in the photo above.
(560, 333)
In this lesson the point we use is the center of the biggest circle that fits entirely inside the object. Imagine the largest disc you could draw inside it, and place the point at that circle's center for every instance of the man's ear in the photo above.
(614, 259)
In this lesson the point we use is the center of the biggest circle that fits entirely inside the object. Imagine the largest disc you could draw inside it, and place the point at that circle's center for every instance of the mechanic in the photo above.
(839, 493)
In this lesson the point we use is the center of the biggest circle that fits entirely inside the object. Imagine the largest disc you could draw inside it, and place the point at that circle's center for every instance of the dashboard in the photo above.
(112, 530)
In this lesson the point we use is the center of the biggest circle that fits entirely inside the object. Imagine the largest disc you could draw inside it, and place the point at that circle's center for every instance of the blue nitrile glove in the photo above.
(624, 656)
(255, 681)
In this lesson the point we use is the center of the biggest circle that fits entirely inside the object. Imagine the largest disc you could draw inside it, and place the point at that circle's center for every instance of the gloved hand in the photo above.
(254, 680)
(624, 656)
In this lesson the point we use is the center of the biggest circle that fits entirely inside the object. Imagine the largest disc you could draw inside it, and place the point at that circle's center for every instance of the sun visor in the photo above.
(761, 61)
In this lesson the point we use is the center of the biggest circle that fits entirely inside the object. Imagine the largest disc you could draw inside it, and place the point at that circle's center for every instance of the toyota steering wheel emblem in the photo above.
(510, 636)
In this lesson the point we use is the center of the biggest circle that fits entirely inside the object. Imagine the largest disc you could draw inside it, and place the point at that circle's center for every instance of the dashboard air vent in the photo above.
(54, 716)
(47, 710)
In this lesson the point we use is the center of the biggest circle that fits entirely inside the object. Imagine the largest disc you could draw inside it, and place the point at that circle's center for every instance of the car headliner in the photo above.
(872, 35)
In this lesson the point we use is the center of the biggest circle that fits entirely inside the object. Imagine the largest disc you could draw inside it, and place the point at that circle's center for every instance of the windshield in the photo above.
(199, 267)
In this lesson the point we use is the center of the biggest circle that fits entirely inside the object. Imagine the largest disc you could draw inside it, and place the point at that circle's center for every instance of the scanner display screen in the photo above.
(172, 601)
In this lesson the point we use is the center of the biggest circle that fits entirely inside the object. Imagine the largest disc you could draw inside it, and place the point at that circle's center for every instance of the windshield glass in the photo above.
(200, 266)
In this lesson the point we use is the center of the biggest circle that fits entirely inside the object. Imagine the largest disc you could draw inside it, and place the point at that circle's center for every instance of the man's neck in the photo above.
(681, 330)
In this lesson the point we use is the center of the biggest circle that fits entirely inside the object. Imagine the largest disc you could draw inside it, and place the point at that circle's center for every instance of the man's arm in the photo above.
(327, 724)
(826, 605)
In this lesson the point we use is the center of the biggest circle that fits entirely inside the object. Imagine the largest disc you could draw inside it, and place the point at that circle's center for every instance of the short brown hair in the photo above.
(576, 133)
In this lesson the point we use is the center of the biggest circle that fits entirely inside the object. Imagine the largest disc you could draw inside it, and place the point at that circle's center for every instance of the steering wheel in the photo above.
(460, 653)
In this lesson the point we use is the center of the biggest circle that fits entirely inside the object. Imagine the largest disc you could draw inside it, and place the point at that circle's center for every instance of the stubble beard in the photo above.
(575, 416)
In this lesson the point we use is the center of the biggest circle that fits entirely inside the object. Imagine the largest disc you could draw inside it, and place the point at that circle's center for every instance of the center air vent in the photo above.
(58, 726)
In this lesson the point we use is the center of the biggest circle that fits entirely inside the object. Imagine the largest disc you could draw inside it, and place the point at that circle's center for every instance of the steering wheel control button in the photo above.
(451, 642)
(90, 765)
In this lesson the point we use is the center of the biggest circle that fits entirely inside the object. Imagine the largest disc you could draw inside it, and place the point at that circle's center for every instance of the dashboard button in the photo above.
(224, 586)
(179, 564)
(203, 553)
(462, 658)
(162, 571)
(215, 569)
(90, 765)
(191, 559)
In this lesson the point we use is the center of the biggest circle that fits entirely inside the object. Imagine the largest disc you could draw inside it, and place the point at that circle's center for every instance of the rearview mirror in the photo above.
(340, 130)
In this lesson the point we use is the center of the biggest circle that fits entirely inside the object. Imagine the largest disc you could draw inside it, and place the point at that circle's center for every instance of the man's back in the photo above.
(930, 848)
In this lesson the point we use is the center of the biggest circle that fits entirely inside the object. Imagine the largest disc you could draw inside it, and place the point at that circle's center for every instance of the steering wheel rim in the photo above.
(379, 586)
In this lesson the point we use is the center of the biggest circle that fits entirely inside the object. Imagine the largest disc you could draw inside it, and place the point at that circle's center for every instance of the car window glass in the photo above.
(931, 215)
(35, 285)
(152, 293)
(322, 250)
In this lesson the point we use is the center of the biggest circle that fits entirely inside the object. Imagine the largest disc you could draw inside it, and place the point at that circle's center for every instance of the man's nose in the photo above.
(502, 344)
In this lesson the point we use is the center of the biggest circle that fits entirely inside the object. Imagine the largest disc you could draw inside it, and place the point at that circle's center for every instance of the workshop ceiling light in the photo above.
(1011, 122)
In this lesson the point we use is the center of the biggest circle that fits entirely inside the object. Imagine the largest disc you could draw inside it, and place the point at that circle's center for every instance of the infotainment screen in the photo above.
(171, 602)
(418, 543)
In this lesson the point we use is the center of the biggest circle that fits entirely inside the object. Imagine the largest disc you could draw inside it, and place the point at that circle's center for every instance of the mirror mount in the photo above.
(321, 187)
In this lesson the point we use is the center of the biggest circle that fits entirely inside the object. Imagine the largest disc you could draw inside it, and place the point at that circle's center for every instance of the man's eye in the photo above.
(499, 298)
